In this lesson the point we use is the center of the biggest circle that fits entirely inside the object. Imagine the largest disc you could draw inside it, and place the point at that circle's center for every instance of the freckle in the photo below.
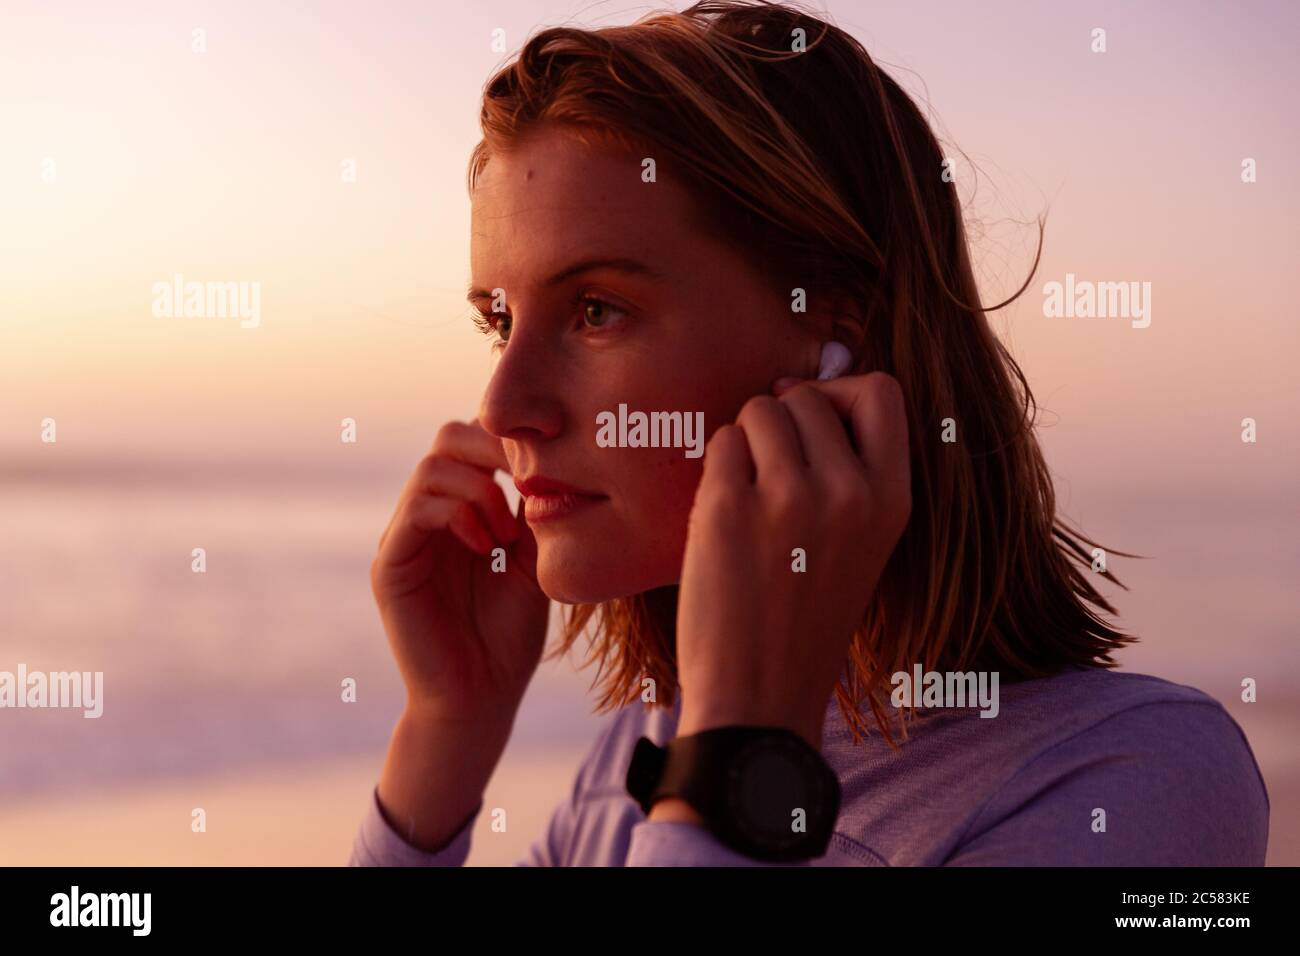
(529, 176)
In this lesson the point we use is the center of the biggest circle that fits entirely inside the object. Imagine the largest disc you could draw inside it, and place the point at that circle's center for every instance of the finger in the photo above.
(412, 524)
(786, 383)
(466, 524)
(447, 476)
(773, 439)
(470, 443)
(823, 434)
(874, 406)
(726, 458)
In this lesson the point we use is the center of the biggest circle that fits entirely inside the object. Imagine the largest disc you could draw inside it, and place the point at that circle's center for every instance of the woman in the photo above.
(731, 217)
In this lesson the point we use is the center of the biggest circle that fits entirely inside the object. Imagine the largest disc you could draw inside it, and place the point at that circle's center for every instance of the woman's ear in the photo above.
(835, 345)
(842, 320)
(849, 325)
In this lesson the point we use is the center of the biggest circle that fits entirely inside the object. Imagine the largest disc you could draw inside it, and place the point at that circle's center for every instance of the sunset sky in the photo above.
(226, 165)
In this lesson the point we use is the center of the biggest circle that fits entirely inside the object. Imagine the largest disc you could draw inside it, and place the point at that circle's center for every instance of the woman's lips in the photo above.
(546, 499)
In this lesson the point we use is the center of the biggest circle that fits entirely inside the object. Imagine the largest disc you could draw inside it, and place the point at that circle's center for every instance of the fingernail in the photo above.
(781, 384)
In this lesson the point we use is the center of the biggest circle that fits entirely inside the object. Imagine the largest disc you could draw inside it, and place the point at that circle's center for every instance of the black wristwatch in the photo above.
(762, 791)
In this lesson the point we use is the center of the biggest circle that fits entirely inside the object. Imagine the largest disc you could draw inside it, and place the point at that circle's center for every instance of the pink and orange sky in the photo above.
(226, 165)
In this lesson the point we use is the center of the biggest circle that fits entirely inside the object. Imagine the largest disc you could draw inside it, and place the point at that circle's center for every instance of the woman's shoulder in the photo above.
(1029, 717)
(1161, 771)
(1098, 692)
(1116, 715)
(1088, 766)
(1103, 704)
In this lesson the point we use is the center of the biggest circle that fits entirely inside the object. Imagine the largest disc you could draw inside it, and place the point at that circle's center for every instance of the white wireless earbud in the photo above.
(836, 360)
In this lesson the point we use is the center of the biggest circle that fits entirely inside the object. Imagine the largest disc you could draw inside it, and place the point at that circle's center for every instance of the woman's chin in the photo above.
(588, 578)
(567, 587)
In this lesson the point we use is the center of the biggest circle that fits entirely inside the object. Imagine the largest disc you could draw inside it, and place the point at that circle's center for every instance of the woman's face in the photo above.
(612, 298)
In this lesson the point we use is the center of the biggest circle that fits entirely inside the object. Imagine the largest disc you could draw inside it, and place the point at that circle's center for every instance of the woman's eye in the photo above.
(597, 313)
(495, 323)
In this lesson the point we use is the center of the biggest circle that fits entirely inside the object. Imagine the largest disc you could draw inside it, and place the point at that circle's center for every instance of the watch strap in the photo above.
(715, 770)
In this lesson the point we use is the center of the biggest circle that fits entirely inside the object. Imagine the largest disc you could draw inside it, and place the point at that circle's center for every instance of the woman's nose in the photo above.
(523, 397)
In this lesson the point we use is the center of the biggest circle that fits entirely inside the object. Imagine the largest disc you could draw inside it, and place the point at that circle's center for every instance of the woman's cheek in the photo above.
(669, 499)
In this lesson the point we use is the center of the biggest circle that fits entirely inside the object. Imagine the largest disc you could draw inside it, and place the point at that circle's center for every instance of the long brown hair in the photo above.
(806, 155)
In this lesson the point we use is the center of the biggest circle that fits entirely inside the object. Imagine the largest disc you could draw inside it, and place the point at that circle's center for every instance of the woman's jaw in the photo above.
(609, 535)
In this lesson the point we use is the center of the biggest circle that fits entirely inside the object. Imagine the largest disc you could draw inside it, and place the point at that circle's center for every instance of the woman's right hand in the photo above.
(467, 639)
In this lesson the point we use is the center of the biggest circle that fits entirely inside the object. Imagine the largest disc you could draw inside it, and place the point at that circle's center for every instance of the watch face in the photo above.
(777, 794)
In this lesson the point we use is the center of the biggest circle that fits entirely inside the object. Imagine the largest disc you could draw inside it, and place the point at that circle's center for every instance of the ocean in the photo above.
(238, 671)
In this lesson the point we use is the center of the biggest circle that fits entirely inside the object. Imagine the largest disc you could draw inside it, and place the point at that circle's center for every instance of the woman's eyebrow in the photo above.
(619, 263)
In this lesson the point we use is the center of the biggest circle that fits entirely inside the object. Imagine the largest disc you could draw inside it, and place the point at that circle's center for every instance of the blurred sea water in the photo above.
(238, 670)
(228, 670)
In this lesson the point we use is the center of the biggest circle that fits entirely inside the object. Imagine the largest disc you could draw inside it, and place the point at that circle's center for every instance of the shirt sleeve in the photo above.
(1162, 784)
(554, 846)
(677, 843)
(378, 844)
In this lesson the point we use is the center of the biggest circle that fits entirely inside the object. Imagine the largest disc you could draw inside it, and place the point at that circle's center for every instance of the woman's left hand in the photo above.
(763, 629)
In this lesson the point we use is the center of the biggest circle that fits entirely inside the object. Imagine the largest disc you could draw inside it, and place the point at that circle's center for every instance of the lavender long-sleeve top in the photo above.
(1090, 767)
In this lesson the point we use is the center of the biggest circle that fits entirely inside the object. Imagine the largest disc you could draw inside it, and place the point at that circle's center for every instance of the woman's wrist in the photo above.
(695, 720)
(674, 810)
(435, 774)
